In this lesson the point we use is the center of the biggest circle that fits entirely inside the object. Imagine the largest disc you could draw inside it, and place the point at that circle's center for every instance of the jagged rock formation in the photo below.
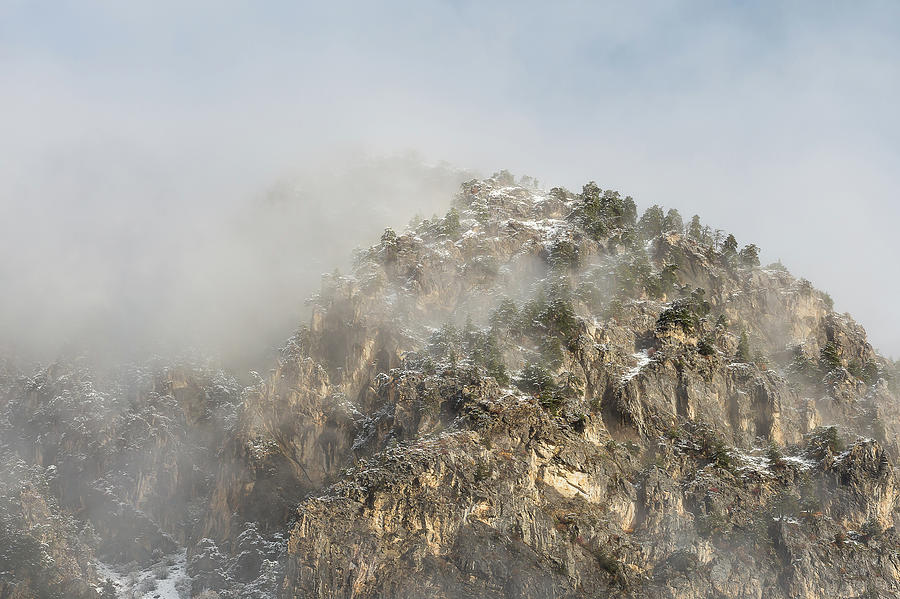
(538, 395)
(120, 465)
(634, 455)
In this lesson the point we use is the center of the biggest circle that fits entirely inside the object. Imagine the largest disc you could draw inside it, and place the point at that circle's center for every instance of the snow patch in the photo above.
(166, 579)
(753, 461)
(643, 358)
(800, 462)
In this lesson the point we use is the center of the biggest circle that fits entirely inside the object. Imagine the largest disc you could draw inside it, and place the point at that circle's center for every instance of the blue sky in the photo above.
(775, 121)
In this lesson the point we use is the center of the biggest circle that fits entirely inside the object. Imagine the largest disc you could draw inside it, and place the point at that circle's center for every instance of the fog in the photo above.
(176, 177)
(165, 272)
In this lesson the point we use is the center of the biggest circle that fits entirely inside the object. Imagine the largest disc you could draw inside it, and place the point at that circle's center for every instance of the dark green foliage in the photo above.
(629, 212)
(389, 245)
(389, 237)
(626, 237)
(666, 279)
(475, 347)
(20, 552)
(449, 226)
(774, 455)
(444, 342)
(558, 318)
(540, 383)
(484, 352)
(632, 275)
(505, 316)
(563, 253)
(636, 276)
(718, 453)
(729, 247)
(743, 349)
(823, 440)
(803, 369)
(668, 254)
(749, 255)
(784, 505)
(695, 231)
(551, 350)
(652, 222)
(590, 193)
(680, 315)
(673, 222)
(829, 303)
(832, 439)
(892, 374)
(590, 293)
(560, 193)
(23, 555)
(537, 380)
(866, 372)
(830, 357)
(542, 318)
(428, 366)
(685, 313)
(599, 212)
(705, 347)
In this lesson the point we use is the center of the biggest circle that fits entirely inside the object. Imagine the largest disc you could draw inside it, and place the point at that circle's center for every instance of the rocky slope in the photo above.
(538, 395)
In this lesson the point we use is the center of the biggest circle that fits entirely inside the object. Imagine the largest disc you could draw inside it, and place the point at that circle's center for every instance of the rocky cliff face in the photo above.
(538, 395)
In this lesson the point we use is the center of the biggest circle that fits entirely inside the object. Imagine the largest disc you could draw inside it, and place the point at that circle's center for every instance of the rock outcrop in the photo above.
(634, 452)
(537, 395)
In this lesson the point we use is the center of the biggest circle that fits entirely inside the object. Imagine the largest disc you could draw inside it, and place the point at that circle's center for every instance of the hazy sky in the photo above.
(125, 125)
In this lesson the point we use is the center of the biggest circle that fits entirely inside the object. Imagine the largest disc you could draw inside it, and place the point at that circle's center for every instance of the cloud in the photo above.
(131, 130)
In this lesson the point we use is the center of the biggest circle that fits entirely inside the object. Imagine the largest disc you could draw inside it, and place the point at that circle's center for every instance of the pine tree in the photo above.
(590, 192)
(651, 223)
(749, 255)
(673, 222)
(830, 357)
(629, 216)
(729, 248)
(695, 231)
(743, 349)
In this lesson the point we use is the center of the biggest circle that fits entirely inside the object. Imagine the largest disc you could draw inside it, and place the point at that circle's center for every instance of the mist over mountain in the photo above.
(275, 324)
(775, 122)
(532, 393)
(128, 264)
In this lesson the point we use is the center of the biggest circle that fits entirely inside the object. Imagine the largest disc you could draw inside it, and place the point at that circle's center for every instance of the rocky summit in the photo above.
(541, 394)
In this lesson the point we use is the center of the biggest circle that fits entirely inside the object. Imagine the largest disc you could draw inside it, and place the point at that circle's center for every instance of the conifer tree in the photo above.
(651, 223)
(673, 222)
(743, 349)
(695, 231)
(630, 212)
(729, 248)
(749, 255)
